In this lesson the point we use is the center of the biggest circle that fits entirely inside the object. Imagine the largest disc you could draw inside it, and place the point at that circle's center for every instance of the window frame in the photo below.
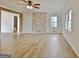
(68, 20)
(56, 22)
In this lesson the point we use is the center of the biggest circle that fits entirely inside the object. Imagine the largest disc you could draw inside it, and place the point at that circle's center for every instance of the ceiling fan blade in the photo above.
(24, 1)
(37, 4)
(36, 7)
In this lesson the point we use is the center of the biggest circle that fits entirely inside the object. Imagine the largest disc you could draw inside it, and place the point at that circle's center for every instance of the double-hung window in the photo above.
(66, 21)
(54, 21)
(69, 20)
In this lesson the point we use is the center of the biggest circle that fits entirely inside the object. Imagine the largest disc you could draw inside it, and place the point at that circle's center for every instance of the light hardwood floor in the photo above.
(36, 46)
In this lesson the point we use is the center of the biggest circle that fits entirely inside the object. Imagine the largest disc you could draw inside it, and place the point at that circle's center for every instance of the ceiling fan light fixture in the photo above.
(29, 7)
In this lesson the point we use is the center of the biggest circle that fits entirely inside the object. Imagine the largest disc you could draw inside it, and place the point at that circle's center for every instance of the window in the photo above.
(54, 22)
(69, 20)
(66, 21)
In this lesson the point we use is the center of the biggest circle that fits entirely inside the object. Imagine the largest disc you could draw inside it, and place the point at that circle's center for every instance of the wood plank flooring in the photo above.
(35, 46)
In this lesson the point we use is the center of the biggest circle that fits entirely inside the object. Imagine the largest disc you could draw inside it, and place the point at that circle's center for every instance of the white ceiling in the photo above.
(46, 5)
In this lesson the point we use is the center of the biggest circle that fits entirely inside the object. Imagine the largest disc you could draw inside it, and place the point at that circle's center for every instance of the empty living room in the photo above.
(39, 29)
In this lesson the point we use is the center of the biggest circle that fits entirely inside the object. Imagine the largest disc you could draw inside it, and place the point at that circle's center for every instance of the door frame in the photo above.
(12, 11)
(0, 20)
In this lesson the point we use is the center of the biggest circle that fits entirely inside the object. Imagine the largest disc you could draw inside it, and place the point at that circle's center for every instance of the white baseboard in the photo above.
(71, 46)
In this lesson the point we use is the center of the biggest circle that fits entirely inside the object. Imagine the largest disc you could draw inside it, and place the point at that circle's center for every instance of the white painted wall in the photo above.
(27, 22)
(7, 21)
(73, 36)
(27, 17)
(59, 21)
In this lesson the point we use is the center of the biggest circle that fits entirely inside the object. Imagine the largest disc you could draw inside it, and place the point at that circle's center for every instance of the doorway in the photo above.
(11, 21)
(15, 24)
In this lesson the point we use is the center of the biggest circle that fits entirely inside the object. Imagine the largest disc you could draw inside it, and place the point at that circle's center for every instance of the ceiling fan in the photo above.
(30, 4)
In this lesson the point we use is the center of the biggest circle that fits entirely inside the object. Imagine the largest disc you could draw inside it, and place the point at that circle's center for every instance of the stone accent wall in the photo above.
(39, 22)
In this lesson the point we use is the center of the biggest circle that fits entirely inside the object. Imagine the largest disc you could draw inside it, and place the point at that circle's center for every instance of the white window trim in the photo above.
(56, 21)
(68, 26)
